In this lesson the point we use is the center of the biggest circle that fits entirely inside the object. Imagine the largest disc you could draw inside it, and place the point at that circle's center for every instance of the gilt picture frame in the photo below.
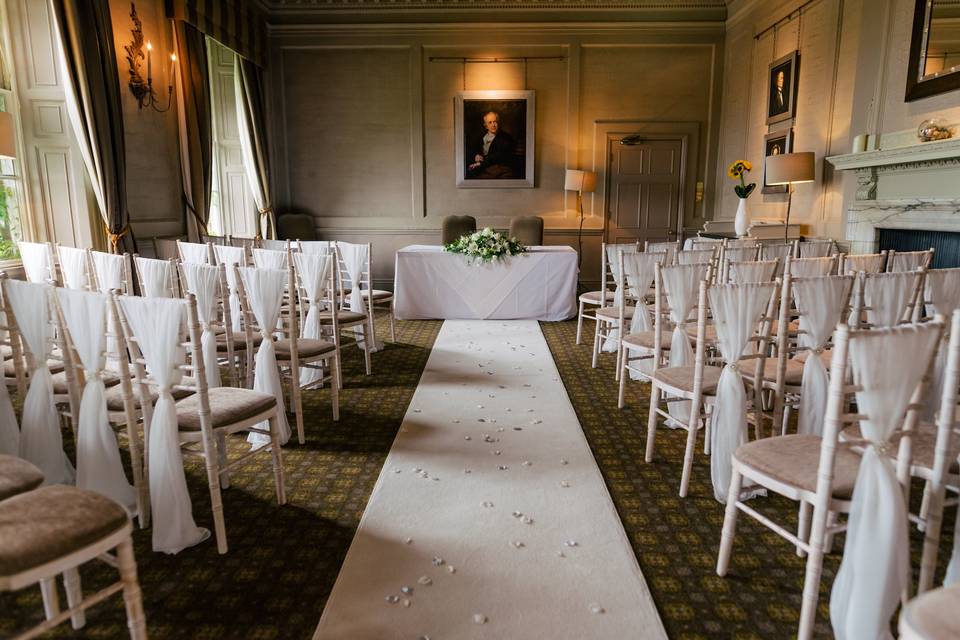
(783, 81)
(494, 133)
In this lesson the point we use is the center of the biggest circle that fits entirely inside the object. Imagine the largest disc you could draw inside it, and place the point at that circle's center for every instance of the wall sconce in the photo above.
(143, 89)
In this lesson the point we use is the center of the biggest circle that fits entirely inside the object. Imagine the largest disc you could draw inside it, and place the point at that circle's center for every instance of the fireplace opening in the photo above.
(946, 244)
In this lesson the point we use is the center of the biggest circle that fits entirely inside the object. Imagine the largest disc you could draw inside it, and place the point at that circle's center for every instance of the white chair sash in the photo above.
(99, 467)
(314, 246)
(639, 273)
(942, 293)
(907, 261)
(313, 269)
(35, 257)
(868, 263)
(265, 288)
(816, 249)
(751, 272)
(737, 310)
(886, 296)
(811, 267)
(612, 341)
(740, 254)
(356, 257)
(270, 258)
(230, 256)
(157, 276)
(202, 281)
(193, 252)
(876, 556)
(695, 256)
(274, 245)
(157, 324)
(821, 303)
(73, 266)
(40, 440)
(772, 251)
(682, 284)
(109, 270)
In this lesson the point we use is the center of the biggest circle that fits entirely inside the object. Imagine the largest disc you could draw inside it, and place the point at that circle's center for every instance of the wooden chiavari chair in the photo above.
(592, 300)
(866, 262)
(909, 260)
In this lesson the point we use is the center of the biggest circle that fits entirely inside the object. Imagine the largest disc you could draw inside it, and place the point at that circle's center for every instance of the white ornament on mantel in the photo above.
(741, 224)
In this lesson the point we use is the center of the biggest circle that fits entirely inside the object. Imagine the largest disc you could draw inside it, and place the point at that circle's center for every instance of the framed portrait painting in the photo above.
(494, 133)
(774, 144)
(782, 89)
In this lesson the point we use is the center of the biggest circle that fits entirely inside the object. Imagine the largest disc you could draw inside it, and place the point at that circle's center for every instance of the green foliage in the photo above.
(8, 244)
(486, 245)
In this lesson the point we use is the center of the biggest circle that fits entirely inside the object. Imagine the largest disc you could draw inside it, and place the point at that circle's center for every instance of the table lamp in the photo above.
(8, 136)
(582, 182)
(789, 169)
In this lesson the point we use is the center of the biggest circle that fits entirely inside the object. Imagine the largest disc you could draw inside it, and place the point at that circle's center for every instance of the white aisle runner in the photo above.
(490, 518)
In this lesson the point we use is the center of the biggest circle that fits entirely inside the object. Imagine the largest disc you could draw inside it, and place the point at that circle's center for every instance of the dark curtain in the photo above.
(93, 97)
(252, 121)
(196, 141)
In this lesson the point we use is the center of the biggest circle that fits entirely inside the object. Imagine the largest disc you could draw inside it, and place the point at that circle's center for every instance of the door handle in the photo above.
(672, 233)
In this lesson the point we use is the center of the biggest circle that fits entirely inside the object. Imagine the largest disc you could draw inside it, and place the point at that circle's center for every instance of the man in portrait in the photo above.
(491, 155)
(779, 99)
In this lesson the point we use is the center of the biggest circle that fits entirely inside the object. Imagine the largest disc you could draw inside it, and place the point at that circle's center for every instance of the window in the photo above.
(11, 182)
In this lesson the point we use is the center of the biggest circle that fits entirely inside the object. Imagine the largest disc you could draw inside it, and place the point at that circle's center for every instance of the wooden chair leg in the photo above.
(811, 582)
(71, 584)
(803, 525)
(596, 343)
(335, 391)
(652, 421)
(925, 505)
(277, 462)
(132, 597)
(393, 327)
(297, 394)
(729, 523)
(212, 459)
(624, 374)
(931, 538)
(51, 599)
(688, 457)
(580, 323)
(366, 349)
(222, 460)
(139, 484)
(621, 356)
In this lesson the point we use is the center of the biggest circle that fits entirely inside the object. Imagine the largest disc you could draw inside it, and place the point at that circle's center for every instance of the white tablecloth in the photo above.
(540, 284)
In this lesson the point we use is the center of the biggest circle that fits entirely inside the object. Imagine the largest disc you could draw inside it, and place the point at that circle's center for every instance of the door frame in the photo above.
(606, 132)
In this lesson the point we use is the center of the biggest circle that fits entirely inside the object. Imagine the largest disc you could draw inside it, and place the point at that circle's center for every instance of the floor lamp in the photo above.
(582, 182)
(789, 169)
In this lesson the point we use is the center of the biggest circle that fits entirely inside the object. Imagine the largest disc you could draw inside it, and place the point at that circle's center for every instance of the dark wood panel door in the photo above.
(646, 190)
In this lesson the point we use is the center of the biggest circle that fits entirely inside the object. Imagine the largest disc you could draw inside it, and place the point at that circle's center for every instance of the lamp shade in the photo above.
(582, 181)
(788, 168)
(8, 136)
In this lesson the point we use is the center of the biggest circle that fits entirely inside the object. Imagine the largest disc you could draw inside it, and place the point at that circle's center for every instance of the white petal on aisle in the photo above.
(490, 518)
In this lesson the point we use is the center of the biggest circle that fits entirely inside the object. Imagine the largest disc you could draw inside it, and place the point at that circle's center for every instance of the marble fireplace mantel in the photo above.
(865, 217)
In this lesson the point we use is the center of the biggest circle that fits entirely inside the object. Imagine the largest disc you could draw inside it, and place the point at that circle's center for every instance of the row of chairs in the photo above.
(723, 356)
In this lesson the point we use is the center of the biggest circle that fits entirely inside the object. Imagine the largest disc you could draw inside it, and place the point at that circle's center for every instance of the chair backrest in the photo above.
(637, 273)
(888, 299)
(747, 253)
(697, 256)
(316, 280)
(909, 260)
(274, 245)
(321, 247)
(741, 243)
(157, 278)
(456, 226)
(111, 272)
(165, 248)
(75, 267)
(37, 260)
(205, 239)
(355, 272)
(781, 250)
(193, 252)
(699, 244)
(750, 272)
(12, 344)
(941, 292)
(528, 230)
(866, 262)
(609, 264)
(816, 248)
(207, 285)
(811, 267)
(670, 248)
(271, 258)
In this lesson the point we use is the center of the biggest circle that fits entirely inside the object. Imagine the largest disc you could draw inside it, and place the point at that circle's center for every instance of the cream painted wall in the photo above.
(363, 123)
(153, 164)
(852, 80)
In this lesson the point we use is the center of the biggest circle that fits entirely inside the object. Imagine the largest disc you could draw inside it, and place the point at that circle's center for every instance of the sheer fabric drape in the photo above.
(752, 272)
(99, 467)
(611, 343)
(355, 260)
(315, 246)
(194, 252)
(252, 125)
(158, 325)
(875, 567)
(270, 259)
(820, 302)
(230, 256)
(35, 257)
(907, 261)
(639, 272)
(40, 439)
(313, 270)
(886, 296)
(811, 267)
(202, 281)
(682, 284)
(109, 270)
(264, 288)
(868, 263)
(157, 276)
(73, 266)
(737, 310)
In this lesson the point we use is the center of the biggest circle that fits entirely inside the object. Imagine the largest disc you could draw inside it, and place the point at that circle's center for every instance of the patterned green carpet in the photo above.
(283, 561)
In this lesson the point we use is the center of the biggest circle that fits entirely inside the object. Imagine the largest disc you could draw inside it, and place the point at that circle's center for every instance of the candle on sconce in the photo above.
(173, 69)
(149, 70)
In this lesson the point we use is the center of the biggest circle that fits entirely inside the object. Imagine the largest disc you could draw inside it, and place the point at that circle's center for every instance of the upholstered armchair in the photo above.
(456, 226)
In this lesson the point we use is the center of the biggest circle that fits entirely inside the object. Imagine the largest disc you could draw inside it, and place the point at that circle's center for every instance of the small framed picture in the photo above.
(494, 133)
(782, 91)
(775, 144)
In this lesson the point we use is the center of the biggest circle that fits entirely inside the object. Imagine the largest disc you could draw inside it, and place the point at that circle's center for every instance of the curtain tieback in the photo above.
(115, 237)
(883, 448)
(733, 366)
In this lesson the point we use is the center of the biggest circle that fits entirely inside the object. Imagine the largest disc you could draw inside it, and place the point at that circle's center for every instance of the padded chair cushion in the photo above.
(114, 397)
(593, 297)
(52, 522)
(456, 226)
(923, 446)
(932, 615)
(378, 294)
(343, 317)
(682, 378)
(56, 366)
(793, 460)
(528, 230)
(645, 340)
(60, 387)
(613, 313)
(17, 476)
(306, 348)
(228, 405)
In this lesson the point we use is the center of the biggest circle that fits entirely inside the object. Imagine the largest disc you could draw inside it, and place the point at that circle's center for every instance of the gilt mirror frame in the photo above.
(919, 86)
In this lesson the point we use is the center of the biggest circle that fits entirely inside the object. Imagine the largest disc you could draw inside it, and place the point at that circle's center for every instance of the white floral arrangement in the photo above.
(486, 245)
